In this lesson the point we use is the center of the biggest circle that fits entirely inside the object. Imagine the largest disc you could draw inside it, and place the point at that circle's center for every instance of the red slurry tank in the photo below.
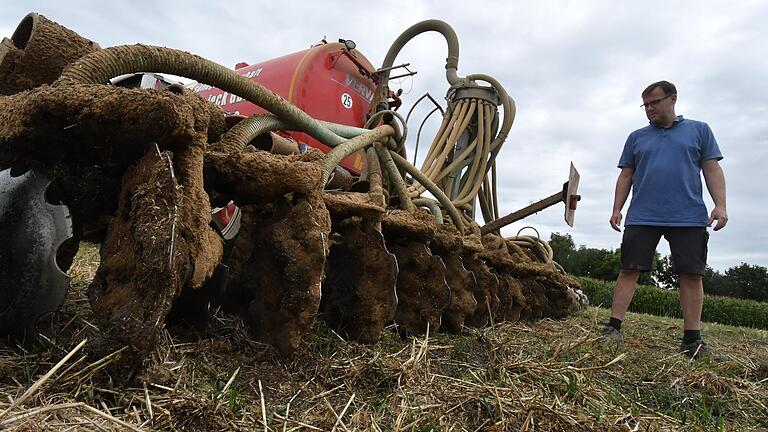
(329, 81)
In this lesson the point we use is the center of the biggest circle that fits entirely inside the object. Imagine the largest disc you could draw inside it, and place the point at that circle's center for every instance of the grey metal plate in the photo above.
(31, 231)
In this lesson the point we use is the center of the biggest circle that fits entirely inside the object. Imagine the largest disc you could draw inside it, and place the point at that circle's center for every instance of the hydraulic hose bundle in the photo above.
(465, 146)
(460, 173)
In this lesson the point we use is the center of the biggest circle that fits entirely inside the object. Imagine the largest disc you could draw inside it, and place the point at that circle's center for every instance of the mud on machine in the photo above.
(281, 192)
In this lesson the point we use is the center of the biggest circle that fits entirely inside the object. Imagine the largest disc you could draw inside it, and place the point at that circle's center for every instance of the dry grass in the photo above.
(548, 375)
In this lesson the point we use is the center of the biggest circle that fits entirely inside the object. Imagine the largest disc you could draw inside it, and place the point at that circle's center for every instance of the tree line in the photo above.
(745, 281)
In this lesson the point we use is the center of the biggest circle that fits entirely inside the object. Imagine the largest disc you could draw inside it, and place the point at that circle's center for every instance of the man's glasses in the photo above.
(653, 103)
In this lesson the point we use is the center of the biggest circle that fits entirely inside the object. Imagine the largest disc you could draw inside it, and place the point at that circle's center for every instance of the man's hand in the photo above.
(623, 185)
(715, 179)
(720, 215)
(616, 220)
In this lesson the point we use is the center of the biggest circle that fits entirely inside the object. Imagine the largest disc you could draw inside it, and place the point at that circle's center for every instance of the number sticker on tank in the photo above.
(346, 100)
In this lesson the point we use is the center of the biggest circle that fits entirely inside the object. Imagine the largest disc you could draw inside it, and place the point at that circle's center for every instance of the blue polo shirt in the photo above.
(666, 184)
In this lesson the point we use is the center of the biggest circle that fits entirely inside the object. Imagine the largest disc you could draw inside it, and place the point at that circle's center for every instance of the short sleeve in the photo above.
(627, 159)
(709, 147)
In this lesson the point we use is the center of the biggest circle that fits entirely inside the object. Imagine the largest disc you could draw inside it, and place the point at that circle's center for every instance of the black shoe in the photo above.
(699, 349)
(611, 336)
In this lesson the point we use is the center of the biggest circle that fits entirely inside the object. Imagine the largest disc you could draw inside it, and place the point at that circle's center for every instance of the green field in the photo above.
(532, 376)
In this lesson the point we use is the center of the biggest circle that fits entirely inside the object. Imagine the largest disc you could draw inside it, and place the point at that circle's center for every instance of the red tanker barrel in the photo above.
(322, 81)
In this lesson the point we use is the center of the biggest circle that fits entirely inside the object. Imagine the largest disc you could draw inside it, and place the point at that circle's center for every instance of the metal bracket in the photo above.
(487, 94)
(571, 198)
(567, 195)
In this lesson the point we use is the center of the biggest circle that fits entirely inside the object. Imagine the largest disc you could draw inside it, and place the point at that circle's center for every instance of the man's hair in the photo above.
(666, 86)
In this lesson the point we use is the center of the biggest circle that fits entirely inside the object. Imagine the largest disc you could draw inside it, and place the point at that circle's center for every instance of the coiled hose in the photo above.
(539, 248)
(398, 183)
(100, 66)
(357, 143)
(239, 135)
(433, 207)
(438, 193)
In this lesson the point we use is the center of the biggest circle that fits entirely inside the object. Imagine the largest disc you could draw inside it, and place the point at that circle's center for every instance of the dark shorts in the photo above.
(688, 246)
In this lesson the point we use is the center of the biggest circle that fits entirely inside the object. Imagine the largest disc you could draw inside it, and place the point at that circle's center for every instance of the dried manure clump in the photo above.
(37, 53)
(277, 264)
(154, 247)
(141, 169)
(129, 164)
(422, 291)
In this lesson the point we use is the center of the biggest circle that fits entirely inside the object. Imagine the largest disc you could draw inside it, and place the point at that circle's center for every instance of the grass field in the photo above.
(532, 376)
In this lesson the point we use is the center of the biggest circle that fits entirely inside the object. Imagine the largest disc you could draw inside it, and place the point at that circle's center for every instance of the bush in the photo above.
(654, 301)
(599, 292)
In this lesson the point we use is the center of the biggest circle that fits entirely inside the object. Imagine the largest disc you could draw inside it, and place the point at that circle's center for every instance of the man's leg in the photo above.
(689, 256)
(622, 297)
(637, 248)
(691, 300)
(623, 293)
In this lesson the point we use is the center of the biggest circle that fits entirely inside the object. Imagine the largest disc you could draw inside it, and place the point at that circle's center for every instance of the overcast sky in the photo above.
(575, 69)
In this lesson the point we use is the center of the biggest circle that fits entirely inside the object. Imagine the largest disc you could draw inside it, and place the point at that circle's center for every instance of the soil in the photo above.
(511, 298)
(260, 176)
(416, 225)
(359, 296)
(109, 126)
(446, 240)
(277, 265)
(155, 245)
(485, 291)
(343, 205)
(144, 183)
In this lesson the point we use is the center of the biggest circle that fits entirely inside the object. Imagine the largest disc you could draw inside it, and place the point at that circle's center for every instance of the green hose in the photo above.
(239, 135)
(357, 143)
(400, 138)
(375, 189)
(272, 123)
(344, 130)
(508, 103)
(100, 66)
(394, 176)
(451, 63)
(484, 207)
(432, 188)
(494, 192)
(433, 208)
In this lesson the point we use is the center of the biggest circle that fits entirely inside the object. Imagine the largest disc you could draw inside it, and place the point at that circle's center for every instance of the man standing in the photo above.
(662, 165)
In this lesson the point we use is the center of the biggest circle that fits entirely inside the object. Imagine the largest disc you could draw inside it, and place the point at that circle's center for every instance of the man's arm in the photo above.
(715, 179)
(623, 185)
